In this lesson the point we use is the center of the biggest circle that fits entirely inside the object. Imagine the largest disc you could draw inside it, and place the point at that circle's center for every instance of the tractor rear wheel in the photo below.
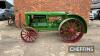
(29, 35)
(71, 30)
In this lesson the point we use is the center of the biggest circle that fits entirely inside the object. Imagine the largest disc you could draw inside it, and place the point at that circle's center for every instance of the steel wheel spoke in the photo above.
(71, 30)
(29, 35)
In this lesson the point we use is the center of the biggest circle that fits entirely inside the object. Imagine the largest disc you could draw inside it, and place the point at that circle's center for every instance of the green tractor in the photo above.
(71, 27)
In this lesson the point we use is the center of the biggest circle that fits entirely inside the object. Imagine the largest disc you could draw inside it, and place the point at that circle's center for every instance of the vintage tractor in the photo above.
(71, 27)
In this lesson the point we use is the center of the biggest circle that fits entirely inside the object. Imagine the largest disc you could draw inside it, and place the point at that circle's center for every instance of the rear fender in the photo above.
(68, 17)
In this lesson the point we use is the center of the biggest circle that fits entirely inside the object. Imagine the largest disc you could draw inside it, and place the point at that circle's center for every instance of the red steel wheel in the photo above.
(29, 35)
(71, 30)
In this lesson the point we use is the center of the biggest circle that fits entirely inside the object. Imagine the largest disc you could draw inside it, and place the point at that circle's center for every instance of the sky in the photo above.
(11, 1)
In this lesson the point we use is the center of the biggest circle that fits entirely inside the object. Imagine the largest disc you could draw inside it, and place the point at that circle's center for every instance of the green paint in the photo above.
(42, 24)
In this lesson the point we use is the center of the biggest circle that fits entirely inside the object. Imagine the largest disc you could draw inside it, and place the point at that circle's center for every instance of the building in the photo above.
(80, 7)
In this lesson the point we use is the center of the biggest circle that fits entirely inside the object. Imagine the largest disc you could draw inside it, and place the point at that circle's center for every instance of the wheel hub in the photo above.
(71, 30)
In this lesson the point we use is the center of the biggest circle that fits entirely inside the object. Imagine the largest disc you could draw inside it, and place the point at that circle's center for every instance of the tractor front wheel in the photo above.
(71, 30)
(29, 35)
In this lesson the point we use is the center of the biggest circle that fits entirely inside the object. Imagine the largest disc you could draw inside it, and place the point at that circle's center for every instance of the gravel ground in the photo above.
(48, 43)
